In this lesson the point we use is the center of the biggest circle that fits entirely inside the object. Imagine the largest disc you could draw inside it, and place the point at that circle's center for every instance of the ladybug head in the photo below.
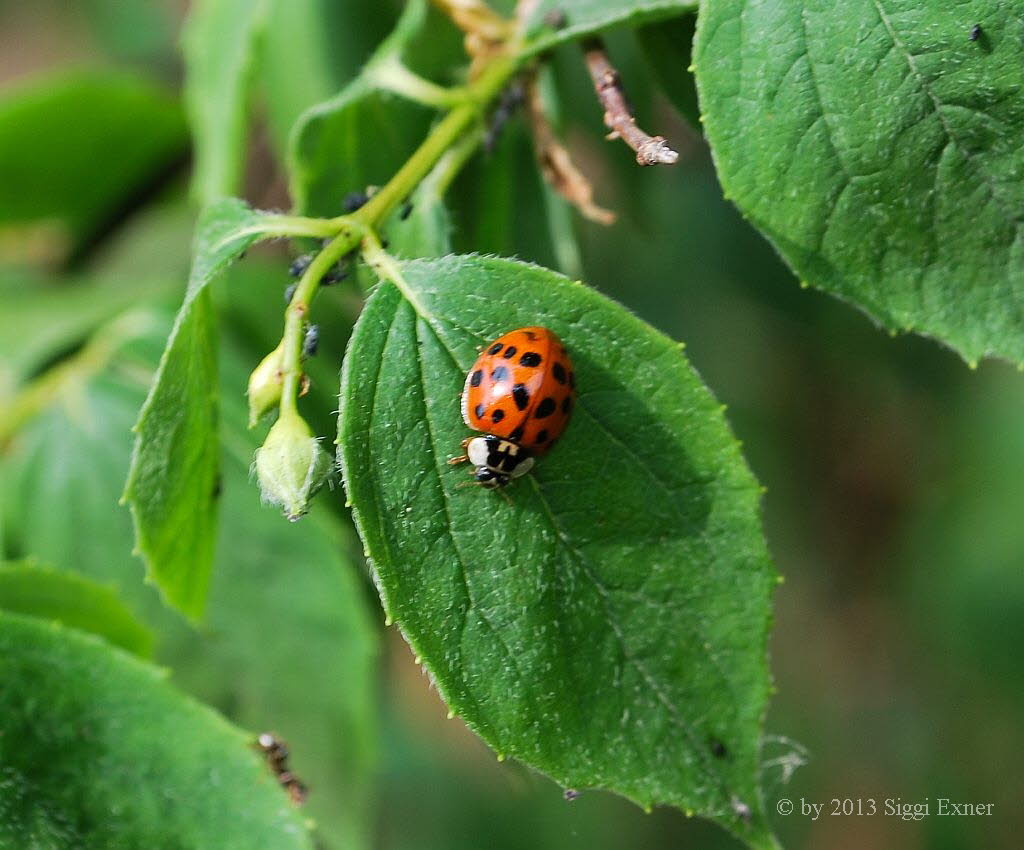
(489, 479)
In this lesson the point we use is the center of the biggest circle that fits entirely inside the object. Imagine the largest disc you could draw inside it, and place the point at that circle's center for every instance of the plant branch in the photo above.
(295, 317)
(618, 115)
(441, 138)
(446, 137)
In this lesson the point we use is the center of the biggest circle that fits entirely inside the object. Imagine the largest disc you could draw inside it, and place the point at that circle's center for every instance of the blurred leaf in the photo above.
(133, 30)
(287, 643)
(75, 148)
(879, 150)
(219, 43)
(553, 22)
(99, 751)
(559, 212)
(173, 482)
(508, 171)
(360, 137)
(41, 317)
(614, 643)
(67, 598)
(296, 79)
(667, 46)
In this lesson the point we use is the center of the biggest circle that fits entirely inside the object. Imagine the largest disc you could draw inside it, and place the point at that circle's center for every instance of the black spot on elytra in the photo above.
(520, 396)
(530, 335)
(517, 434)
(542, 437)
(567, 405)
(500, 373)
(498, 415)
(494, 349)
(558, 370)
(531, 358)
(545, 408)
(478, 376)
(510, 352)
(478, 411)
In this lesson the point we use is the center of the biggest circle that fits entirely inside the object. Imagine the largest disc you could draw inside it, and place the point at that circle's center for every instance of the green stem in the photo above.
(351, 229)
(442, 137)
(295, 320)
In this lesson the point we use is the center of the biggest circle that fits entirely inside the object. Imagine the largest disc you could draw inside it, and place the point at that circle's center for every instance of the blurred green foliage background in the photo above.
(894, 499)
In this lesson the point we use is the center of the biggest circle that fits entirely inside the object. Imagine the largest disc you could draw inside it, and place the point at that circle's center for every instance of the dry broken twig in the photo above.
(555, 163)
(618, 115)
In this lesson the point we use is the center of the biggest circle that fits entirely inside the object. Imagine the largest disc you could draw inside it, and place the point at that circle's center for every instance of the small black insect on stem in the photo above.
(509, 102)
(311, 341)
(975, 32)
(556, 19)
(299, 265)
(353, 201)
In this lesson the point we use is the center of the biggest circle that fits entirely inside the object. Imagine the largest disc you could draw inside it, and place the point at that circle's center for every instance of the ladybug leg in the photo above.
(454, 461)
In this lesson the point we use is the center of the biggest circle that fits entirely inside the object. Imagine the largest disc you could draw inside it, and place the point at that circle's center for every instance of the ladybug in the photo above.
(520, 393)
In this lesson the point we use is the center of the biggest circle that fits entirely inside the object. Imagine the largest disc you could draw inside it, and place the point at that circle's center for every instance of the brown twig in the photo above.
(555, 163)
(618, 115)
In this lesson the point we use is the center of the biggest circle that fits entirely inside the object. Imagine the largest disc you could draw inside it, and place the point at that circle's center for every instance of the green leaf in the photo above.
(99, 751)
(878, 147)
(63, 470)
(553, 22)
(219, 42)
(71, 600)
(63, 474)
(607, 627)
(173, 482)
(55, 130)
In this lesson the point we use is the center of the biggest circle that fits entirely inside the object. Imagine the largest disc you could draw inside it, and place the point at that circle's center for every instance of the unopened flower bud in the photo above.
(265, 386)
(291, 465)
